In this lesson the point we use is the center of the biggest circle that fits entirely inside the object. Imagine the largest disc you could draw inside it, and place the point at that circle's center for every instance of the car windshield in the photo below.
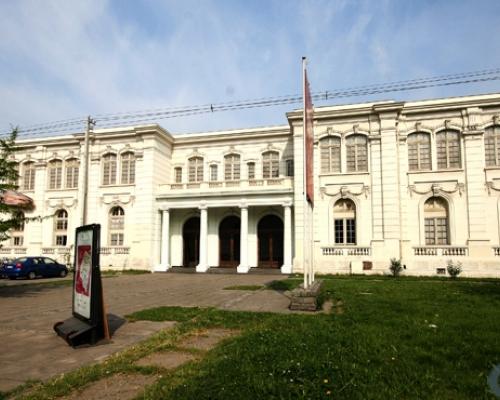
(20, 260)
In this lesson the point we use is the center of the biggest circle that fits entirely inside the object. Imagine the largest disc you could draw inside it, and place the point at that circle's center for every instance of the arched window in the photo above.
(195, 169)
(72, 171)
(178, 174)
(270, 164)
(55, 174)
(419, 151)
(232, 167)
(357, 153)
(448, 149)
(109, 169)
(29, 176)
(213, 173)
(17, 233)
(436, 221)
(251, 170)
(330, 154)
(116, 226)
(492, 145)
(61, 228)
(344, 217)
(128, 168)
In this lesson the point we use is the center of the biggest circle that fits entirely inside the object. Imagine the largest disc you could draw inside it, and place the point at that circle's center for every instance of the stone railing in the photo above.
(346, 251)
(56, 250)
(441, 251)
(13, 250)
(273, 182)
(114, 250)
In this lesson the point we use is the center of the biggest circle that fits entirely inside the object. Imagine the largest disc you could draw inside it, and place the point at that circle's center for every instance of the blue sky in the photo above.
(65, 58)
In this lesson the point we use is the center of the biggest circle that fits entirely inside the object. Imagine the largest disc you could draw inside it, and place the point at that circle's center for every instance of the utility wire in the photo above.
(109, 120)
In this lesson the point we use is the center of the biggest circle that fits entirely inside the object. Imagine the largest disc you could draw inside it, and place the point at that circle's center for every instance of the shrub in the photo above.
(395, 267)
(454, 269)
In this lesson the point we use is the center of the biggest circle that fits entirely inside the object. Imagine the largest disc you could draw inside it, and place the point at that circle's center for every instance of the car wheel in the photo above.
(31, 275)
(63, 273)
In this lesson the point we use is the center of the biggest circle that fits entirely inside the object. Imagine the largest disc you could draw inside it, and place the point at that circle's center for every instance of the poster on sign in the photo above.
(82, 283)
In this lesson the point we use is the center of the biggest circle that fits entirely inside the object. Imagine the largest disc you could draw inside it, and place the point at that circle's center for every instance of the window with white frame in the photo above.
(436, 221)
(17, 232)
(251, 170)
(289, 167)
(127, 168)
(55, 168)
(492, 146)
(330, 154)
(232, 167)
(72, 171)
(419, 151)
(270, 164)
(195, 169)
(178, 174)
(213, 172)
(116, 226)
(448, 149)
(357, 153)
(61, 228)
(344, 219)
(29, 176)
(109, 169)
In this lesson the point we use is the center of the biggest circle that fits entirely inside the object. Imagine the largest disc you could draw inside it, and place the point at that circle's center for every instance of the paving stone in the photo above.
(115, 387)
(168, 360)
(206, 340)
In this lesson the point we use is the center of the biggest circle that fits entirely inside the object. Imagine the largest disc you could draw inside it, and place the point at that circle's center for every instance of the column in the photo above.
(165, 242)
(243, 267)
(202, 266)
(287, 241)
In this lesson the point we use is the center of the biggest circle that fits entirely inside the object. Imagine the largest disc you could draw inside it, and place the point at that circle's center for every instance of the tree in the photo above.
(12, 203)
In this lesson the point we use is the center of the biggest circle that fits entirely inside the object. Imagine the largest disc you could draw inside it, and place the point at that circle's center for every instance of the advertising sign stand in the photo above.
(89, 321)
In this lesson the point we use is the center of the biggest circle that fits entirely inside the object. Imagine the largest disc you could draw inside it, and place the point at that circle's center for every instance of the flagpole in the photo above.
(304, 177)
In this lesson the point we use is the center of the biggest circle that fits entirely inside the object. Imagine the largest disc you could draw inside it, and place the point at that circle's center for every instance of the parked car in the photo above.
(3, 262)
(31, 267)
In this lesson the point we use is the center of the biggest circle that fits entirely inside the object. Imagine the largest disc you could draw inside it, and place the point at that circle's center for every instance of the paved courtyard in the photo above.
(31, 349)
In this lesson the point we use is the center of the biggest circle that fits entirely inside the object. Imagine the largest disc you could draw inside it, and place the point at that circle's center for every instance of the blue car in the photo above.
(31, 267)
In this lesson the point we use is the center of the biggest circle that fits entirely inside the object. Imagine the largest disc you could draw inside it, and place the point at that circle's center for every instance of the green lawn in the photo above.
(384, 339)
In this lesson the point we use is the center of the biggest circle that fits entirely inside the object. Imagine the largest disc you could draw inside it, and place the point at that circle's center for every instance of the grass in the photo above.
(394, 338)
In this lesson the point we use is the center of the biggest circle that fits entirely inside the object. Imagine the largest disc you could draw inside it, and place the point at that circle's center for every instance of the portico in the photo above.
(232, 231)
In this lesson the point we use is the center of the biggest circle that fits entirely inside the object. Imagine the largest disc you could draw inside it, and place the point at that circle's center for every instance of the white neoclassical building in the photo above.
(418, 180)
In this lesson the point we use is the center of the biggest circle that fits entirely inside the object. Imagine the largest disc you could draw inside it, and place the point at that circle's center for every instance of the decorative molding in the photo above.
(436, 190)
(489, 187)
(117, 199)
(345, 191)
(62, 202)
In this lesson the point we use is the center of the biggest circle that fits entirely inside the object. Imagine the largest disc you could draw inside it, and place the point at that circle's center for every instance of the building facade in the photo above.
(417, 181)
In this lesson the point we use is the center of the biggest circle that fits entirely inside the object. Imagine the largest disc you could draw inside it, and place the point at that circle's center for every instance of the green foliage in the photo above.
(10, 216)
(454, 269)
(245, 287)
(396, 343)
(395, 267)
(284, 285)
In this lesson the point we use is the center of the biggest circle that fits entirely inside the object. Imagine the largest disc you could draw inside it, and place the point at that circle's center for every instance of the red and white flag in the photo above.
(309, 140)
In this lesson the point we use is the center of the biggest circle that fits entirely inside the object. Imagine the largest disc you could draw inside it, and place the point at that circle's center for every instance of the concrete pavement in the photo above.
(31, 349)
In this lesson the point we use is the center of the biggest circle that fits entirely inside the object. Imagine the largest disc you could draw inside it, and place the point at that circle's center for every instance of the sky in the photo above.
(62, 59)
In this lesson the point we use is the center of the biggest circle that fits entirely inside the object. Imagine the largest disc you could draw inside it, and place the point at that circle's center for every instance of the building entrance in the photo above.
(191, 242)
(229, 242)
(270, 234)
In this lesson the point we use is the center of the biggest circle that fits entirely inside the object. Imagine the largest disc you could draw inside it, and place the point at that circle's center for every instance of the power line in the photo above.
(109, 120)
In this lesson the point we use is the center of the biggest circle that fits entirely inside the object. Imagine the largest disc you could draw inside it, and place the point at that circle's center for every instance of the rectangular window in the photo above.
(251, 170)
(55, 175)
(178, 175)
(29, 176)
(213, 173)
(350, 231)
(436, 231)
(61, 240)
(17, 240)
(72, 170)
(339, 231)
(117, 239)
(289, 168)
(109, 170)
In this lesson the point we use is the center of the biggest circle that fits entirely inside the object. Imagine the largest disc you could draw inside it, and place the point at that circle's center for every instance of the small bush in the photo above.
(454, 269)
(395, 267)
